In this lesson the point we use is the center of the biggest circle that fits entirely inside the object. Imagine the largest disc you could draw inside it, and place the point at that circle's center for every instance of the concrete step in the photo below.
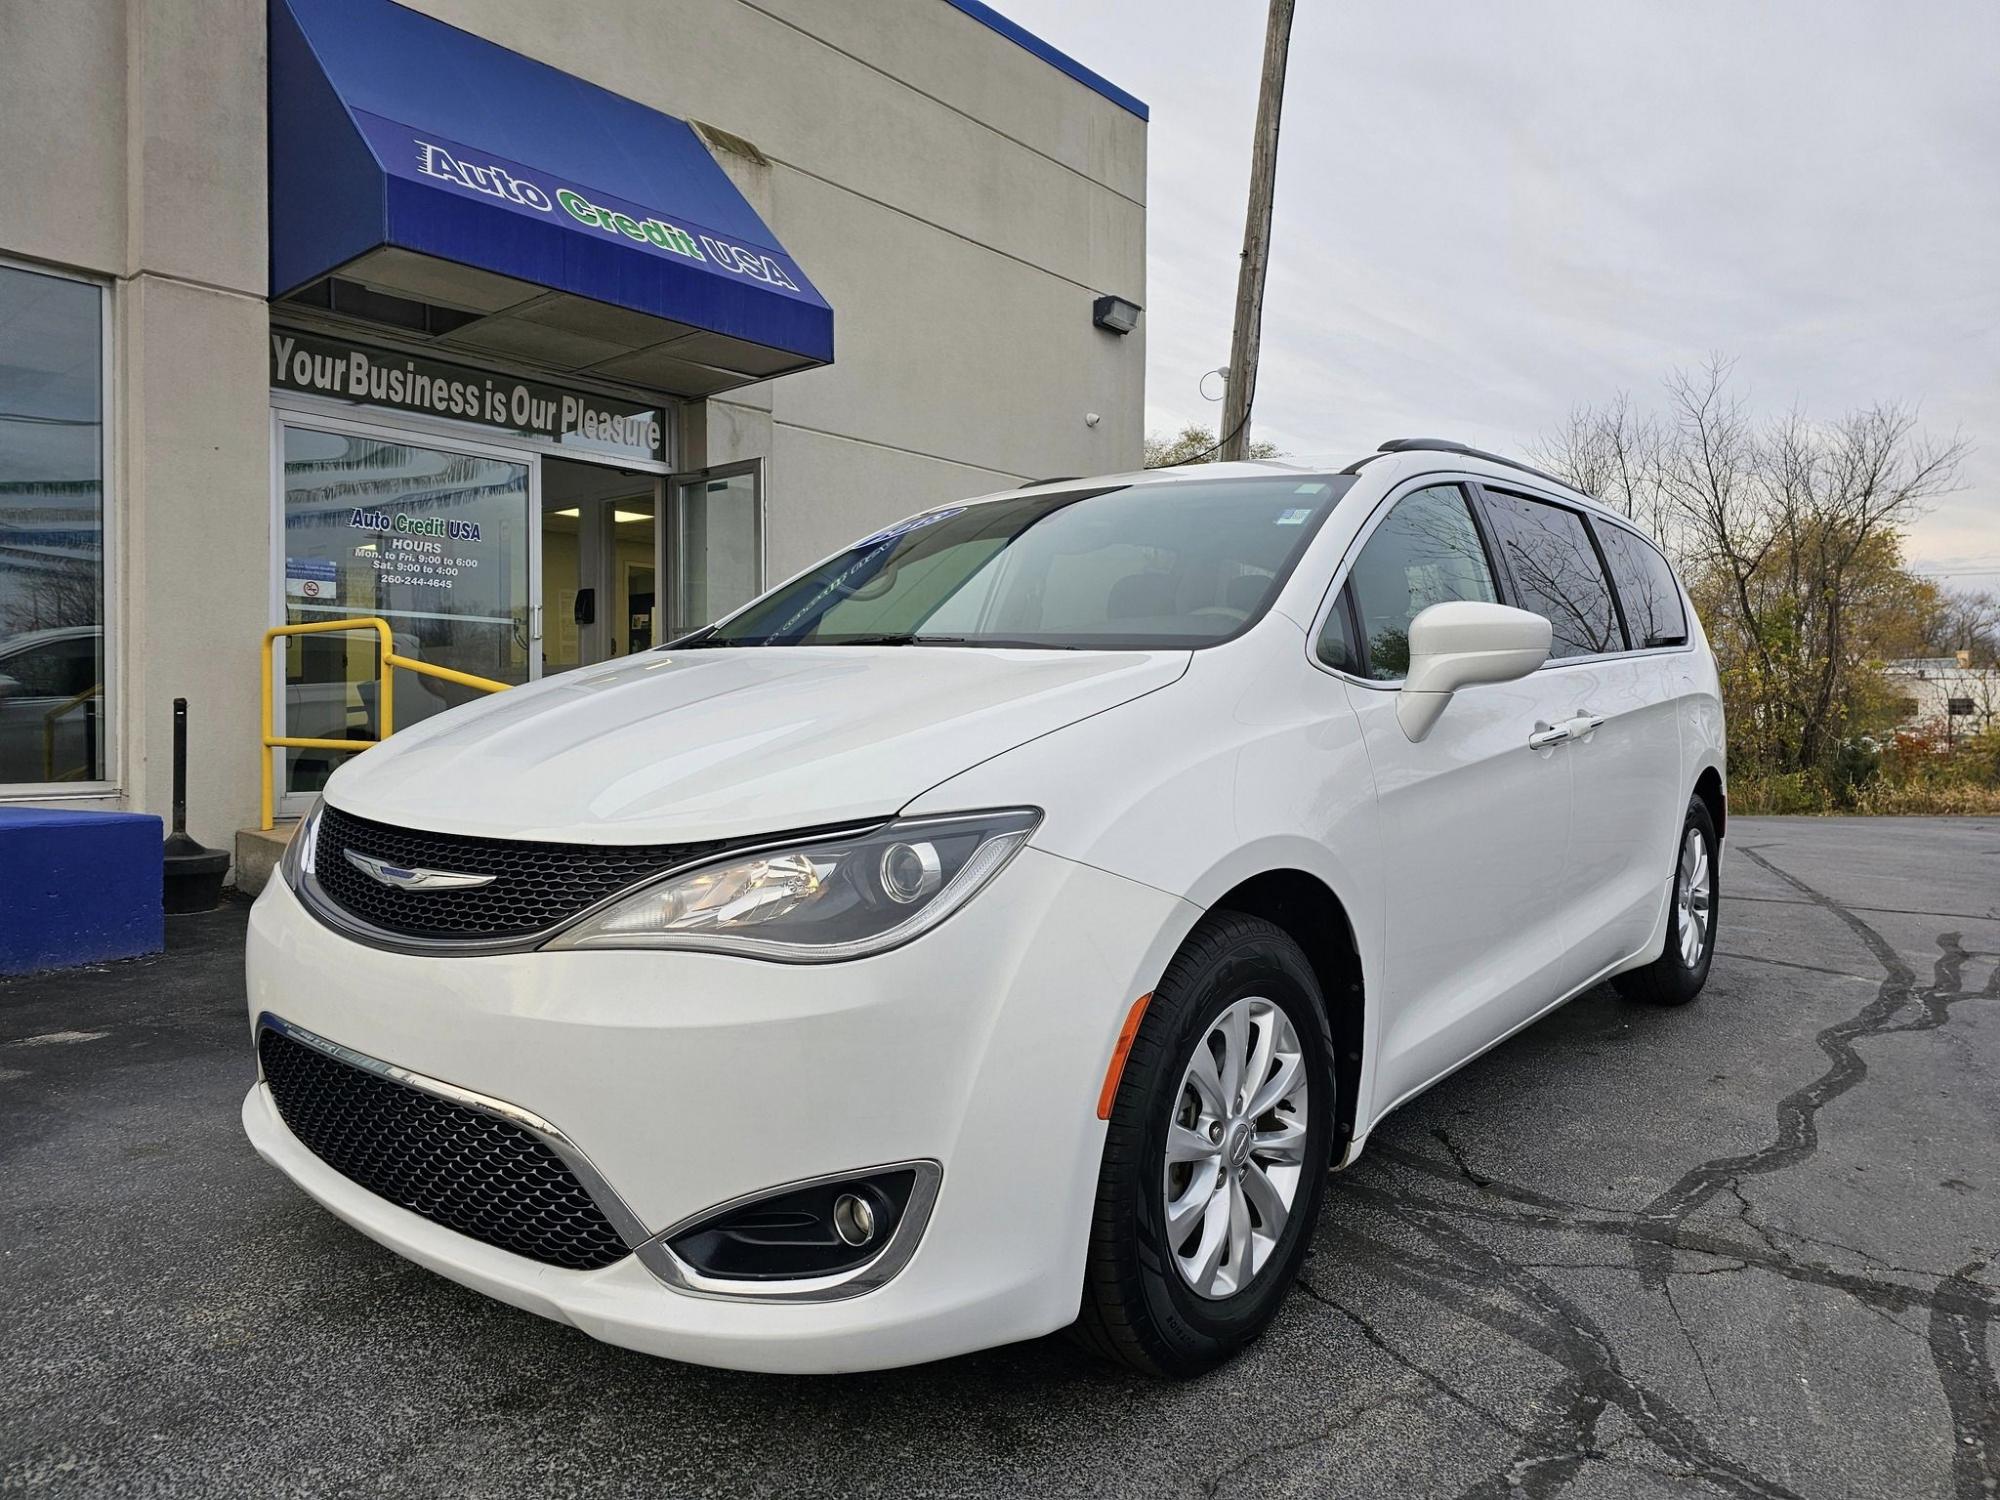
(257, 854)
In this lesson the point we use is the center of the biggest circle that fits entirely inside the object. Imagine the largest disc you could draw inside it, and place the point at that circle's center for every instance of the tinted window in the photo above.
(1337, 647)
(1426, 552)
(1556, 571)
(1653, 609)
(1159, 566)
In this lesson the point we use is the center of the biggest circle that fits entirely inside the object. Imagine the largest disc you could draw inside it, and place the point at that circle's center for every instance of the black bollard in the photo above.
(193, 873)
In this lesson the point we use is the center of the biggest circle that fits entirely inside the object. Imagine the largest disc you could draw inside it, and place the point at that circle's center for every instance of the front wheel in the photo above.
(1678, 974)
(1215, 1159)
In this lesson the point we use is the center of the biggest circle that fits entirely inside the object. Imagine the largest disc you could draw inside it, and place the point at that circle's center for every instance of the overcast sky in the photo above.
(1489, 212)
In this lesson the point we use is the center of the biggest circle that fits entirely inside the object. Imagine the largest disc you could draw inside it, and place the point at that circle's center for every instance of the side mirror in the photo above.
(1461, 643)
(9, 687)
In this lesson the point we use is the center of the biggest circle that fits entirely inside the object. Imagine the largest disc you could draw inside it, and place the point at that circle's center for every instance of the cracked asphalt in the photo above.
(1745, 1248)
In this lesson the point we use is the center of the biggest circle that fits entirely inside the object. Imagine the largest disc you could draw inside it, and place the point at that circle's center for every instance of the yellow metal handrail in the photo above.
(385, 694)
(49, 735)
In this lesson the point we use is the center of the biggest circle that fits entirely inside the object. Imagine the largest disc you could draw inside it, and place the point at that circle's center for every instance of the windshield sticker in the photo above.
(1296, 517)
(1315, 488)
(904, 528)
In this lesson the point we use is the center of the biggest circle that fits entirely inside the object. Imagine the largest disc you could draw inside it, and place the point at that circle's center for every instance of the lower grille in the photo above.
(455, 1165)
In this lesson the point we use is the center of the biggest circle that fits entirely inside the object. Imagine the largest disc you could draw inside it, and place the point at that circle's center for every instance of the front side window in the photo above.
(1557, 574)
(1154, 566)
(1653, 609)
(1426, 551)
(53, 711)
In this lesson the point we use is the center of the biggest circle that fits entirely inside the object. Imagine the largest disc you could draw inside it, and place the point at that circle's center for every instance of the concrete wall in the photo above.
(133, 135)
(959, 201)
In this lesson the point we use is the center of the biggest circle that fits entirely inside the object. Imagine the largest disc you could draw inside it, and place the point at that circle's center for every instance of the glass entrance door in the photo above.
(436, 540)
(600, 563)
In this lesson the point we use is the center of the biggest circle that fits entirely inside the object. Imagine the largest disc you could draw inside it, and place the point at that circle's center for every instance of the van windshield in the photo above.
(1176, 565)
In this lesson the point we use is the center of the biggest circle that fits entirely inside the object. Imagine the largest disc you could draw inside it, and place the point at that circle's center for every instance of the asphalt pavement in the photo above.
(1750, 1247)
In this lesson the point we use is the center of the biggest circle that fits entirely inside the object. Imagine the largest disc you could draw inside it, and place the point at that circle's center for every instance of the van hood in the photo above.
(687, 746)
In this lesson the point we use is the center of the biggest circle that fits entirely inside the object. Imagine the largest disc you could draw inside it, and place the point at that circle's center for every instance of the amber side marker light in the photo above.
(1118, 1053)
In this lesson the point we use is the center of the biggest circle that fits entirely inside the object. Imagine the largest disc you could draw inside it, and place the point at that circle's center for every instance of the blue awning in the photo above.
(580, 227)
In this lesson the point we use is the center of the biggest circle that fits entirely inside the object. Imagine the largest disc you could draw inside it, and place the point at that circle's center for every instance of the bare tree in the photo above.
(1961, 620)
(1788, 532)
(1614, 453)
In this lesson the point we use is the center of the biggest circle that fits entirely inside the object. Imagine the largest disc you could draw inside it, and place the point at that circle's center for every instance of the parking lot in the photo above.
(1748, 1247)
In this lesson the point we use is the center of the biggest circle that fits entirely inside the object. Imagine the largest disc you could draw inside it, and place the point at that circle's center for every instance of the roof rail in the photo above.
(1446, 445)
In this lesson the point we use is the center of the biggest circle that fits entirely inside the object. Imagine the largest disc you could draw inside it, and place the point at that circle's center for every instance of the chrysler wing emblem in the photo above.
(415, 880)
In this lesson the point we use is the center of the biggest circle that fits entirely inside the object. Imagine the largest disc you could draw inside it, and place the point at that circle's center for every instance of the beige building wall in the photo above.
(133, 135)
(958, 200)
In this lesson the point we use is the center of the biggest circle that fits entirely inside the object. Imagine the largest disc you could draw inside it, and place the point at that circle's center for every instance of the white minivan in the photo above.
(1002, 925)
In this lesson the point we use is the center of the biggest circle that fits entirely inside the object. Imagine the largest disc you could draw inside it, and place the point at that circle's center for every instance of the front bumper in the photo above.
(689, 1080)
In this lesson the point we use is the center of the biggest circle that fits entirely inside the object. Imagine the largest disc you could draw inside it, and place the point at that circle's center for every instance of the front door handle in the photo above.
(1542, 739)
(1581, 725)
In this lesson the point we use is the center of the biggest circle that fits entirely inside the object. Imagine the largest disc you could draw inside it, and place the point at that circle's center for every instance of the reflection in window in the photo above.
(1653, 610)
(722, 563)
(1557, 573)
(1426, 552)
(1166, 566)
(53, 711)
(434, 541)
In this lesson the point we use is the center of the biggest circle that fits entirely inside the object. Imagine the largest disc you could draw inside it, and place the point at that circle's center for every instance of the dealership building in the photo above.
(540, 332)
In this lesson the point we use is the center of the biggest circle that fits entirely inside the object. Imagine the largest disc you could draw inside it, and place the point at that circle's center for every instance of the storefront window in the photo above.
(433, 540)
(721, 547)
(54, 724)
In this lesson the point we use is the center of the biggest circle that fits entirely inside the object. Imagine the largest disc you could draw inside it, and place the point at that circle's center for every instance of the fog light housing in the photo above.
(816, 1229)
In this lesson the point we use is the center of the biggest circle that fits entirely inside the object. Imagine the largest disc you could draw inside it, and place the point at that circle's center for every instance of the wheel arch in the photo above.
(1314, 917)
(1708, 786)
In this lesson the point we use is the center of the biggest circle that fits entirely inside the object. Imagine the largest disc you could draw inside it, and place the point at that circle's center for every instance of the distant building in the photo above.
(1945, 695)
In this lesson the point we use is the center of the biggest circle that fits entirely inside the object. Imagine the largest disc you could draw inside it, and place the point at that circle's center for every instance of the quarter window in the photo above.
(1427, 551)
(1653, 609)
(53, 711)
(1556, 573)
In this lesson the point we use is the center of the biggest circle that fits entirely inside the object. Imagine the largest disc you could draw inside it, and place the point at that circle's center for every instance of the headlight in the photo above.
(815, 902)
(297, 861)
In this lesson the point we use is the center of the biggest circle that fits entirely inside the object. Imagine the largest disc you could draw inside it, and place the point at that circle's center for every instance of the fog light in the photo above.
(854, 1219)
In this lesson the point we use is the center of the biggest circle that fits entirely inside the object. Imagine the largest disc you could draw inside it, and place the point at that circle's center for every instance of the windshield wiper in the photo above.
(903, 638)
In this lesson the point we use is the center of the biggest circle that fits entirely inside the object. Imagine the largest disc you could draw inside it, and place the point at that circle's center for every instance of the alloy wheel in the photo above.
(1236, 1148)
(1696, 899)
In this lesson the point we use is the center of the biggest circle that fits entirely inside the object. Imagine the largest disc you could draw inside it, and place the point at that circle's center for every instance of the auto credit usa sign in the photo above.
(433, 160)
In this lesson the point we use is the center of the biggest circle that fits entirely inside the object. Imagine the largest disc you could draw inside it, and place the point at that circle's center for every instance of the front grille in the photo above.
(459, 1167)
(536, 886)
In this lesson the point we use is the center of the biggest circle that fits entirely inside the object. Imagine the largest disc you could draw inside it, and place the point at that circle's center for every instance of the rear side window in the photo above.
(1653, 609)
(1427, 551)
(1555, 570)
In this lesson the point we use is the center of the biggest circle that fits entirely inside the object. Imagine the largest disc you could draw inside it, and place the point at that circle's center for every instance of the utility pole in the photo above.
(1244, 339)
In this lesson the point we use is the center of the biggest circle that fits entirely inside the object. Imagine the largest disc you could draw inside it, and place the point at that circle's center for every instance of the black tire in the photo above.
(1138, 1308)
(1669, 979)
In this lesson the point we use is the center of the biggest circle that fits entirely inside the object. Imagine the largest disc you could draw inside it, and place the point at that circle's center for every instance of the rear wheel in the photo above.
(1215, 1159)
(1678, 974)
